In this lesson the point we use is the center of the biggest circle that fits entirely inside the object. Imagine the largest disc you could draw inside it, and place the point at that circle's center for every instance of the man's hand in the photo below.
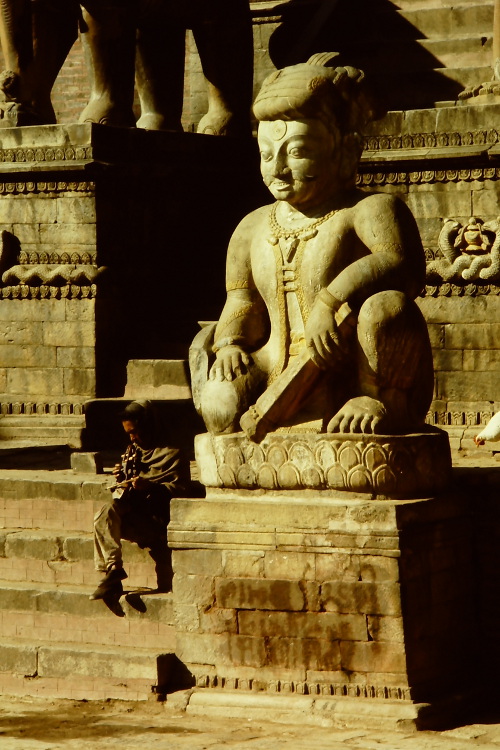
(140, 483)
(230, 362)
(321, 334)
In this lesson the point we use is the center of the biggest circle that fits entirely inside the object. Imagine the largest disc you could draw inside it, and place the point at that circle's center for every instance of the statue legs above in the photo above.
(36, 37)
(108, 35)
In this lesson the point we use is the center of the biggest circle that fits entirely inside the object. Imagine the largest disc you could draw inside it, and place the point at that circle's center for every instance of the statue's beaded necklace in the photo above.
(300, 232)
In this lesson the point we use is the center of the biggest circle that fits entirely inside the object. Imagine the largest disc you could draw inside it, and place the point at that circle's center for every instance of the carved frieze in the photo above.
(376, 464)
(30, 408)
(308, 687)
(466, 253)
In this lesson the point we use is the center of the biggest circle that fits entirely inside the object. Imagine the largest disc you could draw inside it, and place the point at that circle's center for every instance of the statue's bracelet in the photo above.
(332, 302)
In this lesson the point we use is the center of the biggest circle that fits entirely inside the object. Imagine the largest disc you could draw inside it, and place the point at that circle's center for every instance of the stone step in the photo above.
(442, 22)
(60, 557)
(51, 499)
(158, 379)
(431, 54)
(434, 4)
(83, 671)
(65, 615)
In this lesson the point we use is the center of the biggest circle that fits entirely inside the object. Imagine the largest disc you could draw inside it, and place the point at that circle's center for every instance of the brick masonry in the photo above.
(330, 614)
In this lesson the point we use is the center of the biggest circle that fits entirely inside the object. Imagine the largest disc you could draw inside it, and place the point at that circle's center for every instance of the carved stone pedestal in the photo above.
(317, 605)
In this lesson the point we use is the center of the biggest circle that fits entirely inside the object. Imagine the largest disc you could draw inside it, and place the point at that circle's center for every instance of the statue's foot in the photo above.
(362, 414)
(223, 123)
(157, 121)
(103, 112)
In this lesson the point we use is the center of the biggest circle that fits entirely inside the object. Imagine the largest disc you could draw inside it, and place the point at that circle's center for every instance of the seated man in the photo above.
(320, 330)
(150, 473)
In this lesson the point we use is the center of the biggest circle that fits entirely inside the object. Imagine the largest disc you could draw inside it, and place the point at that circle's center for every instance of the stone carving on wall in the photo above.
(469, 252)
(42, 274)
(122, 41)
(320, 331)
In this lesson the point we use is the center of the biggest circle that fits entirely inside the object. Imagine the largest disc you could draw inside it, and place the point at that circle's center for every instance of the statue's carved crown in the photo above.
(317, 89)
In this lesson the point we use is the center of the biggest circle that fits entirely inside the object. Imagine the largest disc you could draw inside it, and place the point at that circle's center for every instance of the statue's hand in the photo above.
(321, 334)
(230, 362)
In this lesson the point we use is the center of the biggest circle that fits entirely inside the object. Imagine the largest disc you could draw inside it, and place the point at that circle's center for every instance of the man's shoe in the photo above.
(111, 585)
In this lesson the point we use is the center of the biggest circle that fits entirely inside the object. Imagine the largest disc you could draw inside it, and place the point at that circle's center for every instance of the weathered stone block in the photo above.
(243, 564)
(87, 463)
(78, 548)
(436, 335)
(373, 656)
(453, 202)
(25, 355)
(19, 659)
(33, 544)
(207, 562)
(27, 210)
(35, 381)
(72, 210)
(187, 618)
(337, 567)
(308, 653)
(482, 360)
(218, 620)
(248, 593)
(23, 310)
(468, 385)
(473, 336)
(70, 333)
(294, 565)
(447, 359)
(194, 589)
(68, 234)
(385, 628)
(464, 310)
(20, 333)
(75, 356)
(197, 648)
(79, 309)
(326, 625)
(361, 597)
(81, 382)
(379, 568)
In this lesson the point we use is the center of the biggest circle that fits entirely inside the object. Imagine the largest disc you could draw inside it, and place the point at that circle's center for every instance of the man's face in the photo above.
(132, 431)
(299, 163)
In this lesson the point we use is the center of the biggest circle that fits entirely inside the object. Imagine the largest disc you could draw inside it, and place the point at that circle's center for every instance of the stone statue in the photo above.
(123, 39)
(320, 331)
(36, 37)
(112, 32)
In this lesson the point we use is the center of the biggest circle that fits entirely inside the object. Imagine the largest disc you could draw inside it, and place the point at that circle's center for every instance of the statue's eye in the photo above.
(297, 153)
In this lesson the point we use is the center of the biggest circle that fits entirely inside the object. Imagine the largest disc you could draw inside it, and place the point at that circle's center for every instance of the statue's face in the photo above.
(299, 161)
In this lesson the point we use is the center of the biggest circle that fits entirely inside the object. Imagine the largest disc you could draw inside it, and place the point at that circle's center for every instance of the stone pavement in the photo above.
(37, 724)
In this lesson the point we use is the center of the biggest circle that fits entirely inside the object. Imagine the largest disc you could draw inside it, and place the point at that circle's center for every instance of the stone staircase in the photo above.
(54, 641)
(418, 52)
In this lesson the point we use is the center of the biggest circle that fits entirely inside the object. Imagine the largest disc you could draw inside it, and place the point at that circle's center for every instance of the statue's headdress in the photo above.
(317, 89)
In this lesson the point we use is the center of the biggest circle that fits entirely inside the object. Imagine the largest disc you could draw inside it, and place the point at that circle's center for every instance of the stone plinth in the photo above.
(379, 465)
(309, 593)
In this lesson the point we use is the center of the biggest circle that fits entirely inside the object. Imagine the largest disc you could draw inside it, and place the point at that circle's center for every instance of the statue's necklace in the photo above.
(304, 233)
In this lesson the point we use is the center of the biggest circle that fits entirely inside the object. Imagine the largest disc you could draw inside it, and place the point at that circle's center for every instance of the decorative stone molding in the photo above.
(459, 418)
(379, 465)
(373, 179)
(46, 154)
(53, 275)
(432, 140)
(75, 258)
(44, 291)
(457, 290)
(17, 188)
(304, 688)
(30, 408)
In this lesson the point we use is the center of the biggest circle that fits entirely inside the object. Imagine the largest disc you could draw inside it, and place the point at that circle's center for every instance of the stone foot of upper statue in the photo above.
(105, 112)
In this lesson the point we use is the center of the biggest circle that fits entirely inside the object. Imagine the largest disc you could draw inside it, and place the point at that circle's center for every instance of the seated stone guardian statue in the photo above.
(320, 331)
